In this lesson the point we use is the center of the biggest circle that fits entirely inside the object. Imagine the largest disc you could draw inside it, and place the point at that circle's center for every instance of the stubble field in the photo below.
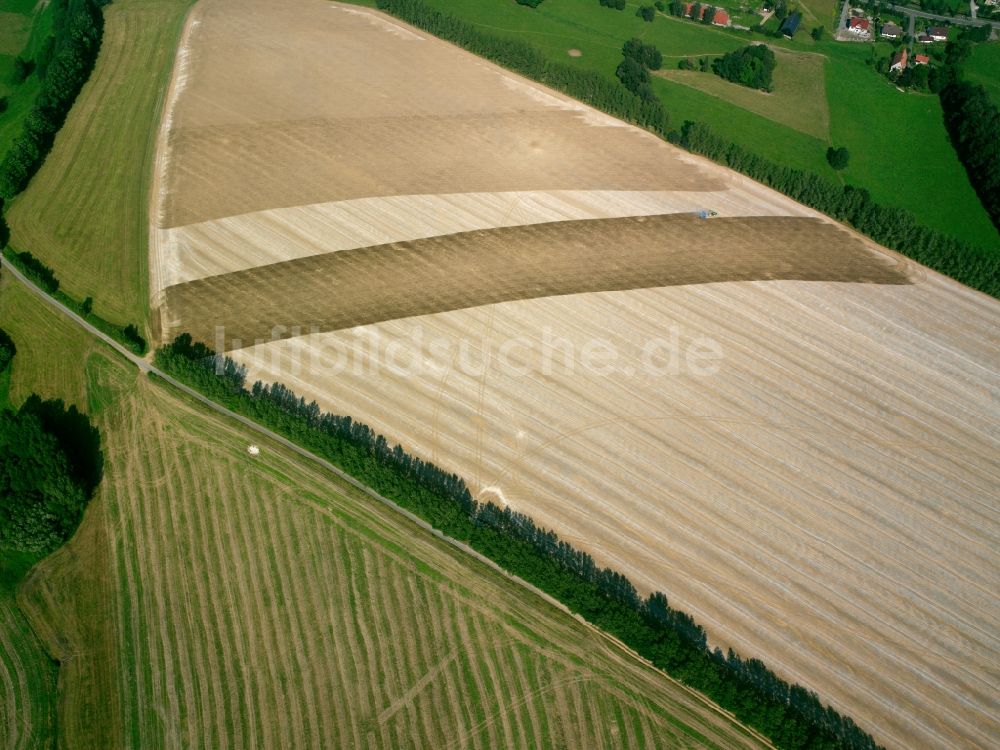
(823, 496)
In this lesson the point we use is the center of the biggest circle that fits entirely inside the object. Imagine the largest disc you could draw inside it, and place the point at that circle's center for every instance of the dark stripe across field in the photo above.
(369, 285)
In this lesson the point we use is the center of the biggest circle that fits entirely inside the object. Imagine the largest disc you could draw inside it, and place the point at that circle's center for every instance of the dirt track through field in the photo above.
(357, 287)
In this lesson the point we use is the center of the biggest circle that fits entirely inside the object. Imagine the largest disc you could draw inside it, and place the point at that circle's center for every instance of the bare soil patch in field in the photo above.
(368, 285)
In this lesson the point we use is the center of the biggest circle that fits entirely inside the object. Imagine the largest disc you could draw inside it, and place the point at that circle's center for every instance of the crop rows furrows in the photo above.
(260, 594)
(312, 541)
(223, 645)
(145, 468)
(16, 705)
(240, 586)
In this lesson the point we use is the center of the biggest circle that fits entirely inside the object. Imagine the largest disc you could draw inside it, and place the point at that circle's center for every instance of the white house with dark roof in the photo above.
(891, 31)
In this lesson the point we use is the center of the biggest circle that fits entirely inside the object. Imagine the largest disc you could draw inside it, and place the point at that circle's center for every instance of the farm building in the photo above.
(791, 25)
(899, 61)
(721, 18)
(921, 60)
(891, 31)
(938, 33)
(859, 26)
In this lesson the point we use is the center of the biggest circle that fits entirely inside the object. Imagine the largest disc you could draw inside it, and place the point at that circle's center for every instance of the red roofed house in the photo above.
(898, 61)
(701, 11)
(921, 59)
(859, 25)
(721, 18)
(938, 33)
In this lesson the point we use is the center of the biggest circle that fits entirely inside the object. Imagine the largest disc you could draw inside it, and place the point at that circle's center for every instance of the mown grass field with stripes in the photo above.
(214, 599)
(27, 675)
(84, 213)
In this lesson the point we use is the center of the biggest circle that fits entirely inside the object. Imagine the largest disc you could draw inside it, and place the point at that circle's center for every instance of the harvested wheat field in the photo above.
(790, 432)
(214, 599)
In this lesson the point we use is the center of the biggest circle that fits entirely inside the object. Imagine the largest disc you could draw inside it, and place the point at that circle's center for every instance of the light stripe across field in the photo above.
(188, 253)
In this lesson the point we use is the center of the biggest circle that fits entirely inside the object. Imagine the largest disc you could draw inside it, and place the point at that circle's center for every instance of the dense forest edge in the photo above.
(973, 124)
(50, 466)
(63, 66)
(631, 100)
(789, 715)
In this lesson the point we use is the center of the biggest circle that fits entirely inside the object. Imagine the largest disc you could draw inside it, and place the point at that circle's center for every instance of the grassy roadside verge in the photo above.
(40, 274)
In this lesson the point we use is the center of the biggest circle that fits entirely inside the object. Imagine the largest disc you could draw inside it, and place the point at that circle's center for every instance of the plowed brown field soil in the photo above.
(823, 496)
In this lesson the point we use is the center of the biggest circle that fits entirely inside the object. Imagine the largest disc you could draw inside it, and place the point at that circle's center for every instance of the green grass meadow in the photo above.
(22, 31)
(983, 67)
(799, 97)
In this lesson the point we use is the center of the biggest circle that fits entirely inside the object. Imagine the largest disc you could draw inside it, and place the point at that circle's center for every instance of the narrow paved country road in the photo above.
(843, 18)
(957, 20)
(146, 366)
